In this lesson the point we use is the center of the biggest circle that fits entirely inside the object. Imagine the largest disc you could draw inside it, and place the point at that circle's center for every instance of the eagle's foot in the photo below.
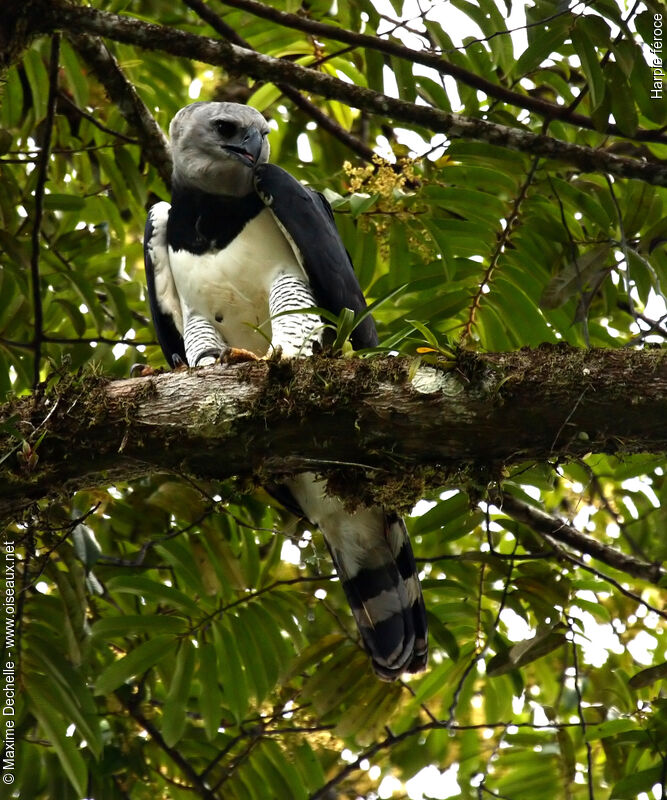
(236, 355)
(142, 371)
(178, 365)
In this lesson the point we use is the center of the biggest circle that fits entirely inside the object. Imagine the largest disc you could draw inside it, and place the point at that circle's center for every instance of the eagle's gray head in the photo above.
(216, 146)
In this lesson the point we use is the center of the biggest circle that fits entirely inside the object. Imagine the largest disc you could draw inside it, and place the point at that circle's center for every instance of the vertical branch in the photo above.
(42, 170)
(501, 244)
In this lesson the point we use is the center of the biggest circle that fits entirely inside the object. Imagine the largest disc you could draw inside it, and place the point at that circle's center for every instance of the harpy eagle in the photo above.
(241, 242)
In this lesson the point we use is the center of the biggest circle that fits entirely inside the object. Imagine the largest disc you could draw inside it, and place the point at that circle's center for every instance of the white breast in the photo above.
(230, 287)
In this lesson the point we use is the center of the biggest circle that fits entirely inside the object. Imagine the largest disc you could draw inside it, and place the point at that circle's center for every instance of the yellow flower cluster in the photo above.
(389, 181)
(380, 177)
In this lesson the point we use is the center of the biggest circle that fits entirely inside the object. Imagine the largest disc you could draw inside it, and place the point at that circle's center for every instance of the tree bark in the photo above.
(374, 433)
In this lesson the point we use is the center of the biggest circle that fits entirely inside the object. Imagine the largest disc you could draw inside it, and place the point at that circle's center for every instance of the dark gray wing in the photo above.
(164, 303)
(307, 219)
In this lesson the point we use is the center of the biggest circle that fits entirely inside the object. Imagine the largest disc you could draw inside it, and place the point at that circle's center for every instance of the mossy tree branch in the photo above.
(360, 422)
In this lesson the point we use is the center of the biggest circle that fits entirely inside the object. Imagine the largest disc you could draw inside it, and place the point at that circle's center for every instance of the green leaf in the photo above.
(133, 624)
(315, 653)
(76, 74)
(282, 776)
(638, 782)
(38, 81)
(611, 727)
(549, 37)
(623, 104)
(264, 97)
(360, 203)
(142, 658)
(649, 676)
(589, 62)
(344, 327)
(525, 652)
(55, 729)
(176, 703)
(309, 766)
(85, 545)
(210, 696)
(232, 673)
(276, 651)
(66, 691)
(250, 649)
(64, 202)
(442, 514)
(145, 587)
(179, 499)
(6, 140)
(443, 636)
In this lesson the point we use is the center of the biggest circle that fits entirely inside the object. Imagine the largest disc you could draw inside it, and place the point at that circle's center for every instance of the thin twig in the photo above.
(44, 557)
(94, 121)
(580, 712)
(574, 255)
(624, 246)
(392, 739)
(46, 338)
(247, 598)
(173, 753)
(451, 711)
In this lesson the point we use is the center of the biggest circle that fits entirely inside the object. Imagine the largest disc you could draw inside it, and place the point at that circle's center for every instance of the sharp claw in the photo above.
(274, 354)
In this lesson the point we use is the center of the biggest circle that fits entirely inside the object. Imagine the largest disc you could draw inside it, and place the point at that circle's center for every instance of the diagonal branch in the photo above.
(198, 785)
(108, 72)
(238, 59)
(544, 108)
(323, 120)
(561, 531)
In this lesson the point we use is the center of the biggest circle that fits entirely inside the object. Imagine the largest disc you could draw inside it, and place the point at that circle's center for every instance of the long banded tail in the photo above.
(382, 587)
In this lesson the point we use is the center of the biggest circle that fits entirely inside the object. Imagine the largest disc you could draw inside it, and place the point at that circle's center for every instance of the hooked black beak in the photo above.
(249, 146)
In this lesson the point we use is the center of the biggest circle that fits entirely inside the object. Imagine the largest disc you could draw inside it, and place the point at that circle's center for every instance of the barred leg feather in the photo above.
(203, 343)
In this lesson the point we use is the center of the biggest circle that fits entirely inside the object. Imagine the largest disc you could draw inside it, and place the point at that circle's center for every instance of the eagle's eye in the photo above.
(225, 128)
